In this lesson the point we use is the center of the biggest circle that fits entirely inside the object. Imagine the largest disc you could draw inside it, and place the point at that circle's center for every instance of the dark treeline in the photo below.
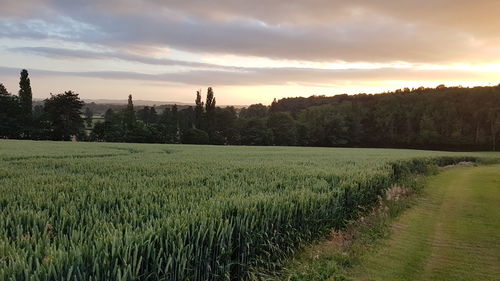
(447, 118)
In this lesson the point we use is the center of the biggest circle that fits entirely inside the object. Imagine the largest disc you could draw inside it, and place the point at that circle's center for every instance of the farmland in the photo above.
(108, 211)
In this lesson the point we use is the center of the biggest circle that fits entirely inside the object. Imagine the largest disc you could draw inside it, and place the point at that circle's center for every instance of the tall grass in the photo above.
(80, 211)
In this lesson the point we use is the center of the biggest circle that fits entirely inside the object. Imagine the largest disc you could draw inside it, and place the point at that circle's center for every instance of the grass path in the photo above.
(451, 234)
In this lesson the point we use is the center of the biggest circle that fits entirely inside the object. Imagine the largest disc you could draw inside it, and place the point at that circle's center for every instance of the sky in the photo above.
(248, 51)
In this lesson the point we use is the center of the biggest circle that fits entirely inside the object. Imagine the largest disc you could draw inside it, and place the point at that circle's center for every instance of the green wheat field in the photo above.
(109, 211)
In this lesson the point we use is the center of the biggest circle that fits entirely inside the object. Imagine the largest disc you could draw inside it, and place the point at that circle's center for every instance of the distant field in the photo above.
(107, 211)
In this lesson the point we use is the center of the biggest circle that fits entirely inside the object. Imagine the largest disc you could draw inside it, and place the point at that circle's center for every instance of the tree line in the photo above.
(447, 118)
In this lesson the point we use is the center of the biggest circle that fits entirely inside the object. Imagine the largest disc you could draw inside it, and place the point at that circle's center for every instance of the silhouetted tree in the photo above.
(216, 137)
(9, 114)
(129, 115)
(254, 111)
(274, 106)
(26, 102)
(198, 111)
(210, 104)
(3, 90)
(64, 115)
(283, 127)
(453, 118)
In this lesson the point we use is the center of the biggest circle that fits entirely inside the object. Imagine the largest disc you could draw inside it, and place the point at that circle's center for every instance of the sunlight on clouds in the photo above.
(242, 61)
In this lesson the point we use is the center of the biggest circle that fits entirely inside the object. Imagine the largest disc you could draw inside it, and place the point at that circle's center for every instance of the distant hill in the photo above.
(124, 102)
(136, 102)
(99, 106)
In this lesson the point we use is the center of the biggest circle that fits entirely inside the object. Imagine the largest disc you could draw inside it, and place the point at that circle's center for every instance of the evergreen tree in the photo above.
(26, 102)
(198, 110)
(210, 112)
(210, 103)
(129, 114)
(25, 94)
(3, 90)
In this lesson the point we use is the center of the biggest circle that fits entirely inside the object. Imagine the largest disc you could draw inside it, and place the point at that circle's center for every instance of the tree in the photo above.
(64, 115)
(143, 114)
(175, 124)
(25, 94)
(147, 115)
(9, 114)
(210, 110)
(187, 119)
(224, 126)
(442, 118)
(169, 125)
(40, 129)
(195, 136)
(428, 132)
(210, 104)
(198, 110)
(109, 115)
(129, 114)
(494, 115)
(153, 115)
(327, 125)
(254, 111)
(88, 116)
(255, 132)
(3, 90)
(110, 130)
(283, 127)
(26, 102)
(274, 106)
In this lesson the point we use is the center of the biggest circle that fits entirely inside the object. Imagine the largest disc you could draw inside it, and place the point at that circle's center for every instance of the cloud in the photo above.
(268, 76)
(86, 54)
(317, 30)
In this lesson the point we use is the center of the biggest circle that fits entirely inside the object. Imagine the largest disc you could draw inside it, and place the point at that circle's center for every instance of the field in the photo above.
(105, 211)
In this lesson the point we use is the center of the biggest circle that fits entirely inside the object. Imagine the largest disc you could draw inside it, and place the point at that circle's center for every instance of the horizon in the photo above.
(247, 53)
